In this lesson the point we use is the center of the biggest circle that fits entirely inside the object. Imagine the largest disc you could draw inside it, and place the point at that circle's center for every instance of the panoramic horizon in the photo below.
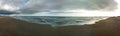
(59, 17)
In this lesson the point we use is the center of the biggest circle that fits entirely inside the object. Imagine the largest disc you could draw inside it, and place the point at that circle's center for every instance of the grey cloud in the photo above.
(44, 5)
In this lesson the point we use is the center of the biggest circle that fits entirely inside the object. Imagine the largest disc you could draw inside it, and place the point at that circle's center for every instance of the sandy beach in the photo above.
(13, 27)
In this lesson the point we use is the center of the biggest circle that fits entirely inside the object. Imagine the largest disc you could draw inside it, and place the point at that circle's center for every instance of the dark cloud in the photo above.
(4, 12)
(35, 6)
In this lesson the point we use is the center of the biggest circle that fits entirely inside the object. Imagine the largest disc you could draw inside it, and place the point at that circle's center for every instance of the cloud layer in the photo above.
(60, 7)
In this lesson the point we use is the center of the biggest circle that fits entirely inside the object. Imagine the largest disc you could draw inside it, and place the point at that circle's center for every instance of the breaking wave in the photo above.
(60, 21)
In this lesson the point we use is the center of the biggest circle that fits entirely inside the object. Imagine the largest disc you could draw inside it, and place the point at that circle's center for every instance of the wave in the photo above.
(60, 21)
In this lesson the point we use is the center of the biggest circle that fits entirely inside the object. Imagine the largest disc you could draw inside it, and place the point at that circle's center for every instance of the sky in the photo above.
(62, 7)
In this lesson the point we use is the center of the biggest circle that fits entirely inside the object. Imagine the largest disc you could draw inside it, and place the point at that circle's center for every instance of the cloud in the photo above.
(35, 7)
(72, 7)
(4, 12)
(72, 4)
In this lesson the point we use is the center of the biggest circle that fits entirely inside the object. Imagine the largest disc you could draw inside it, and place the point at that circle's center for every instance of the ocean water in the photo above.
(60, 21)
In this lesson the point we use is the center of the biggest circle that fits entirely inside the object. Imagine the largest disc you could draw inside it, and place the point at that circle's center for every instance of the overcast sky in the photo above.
(45, 7)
